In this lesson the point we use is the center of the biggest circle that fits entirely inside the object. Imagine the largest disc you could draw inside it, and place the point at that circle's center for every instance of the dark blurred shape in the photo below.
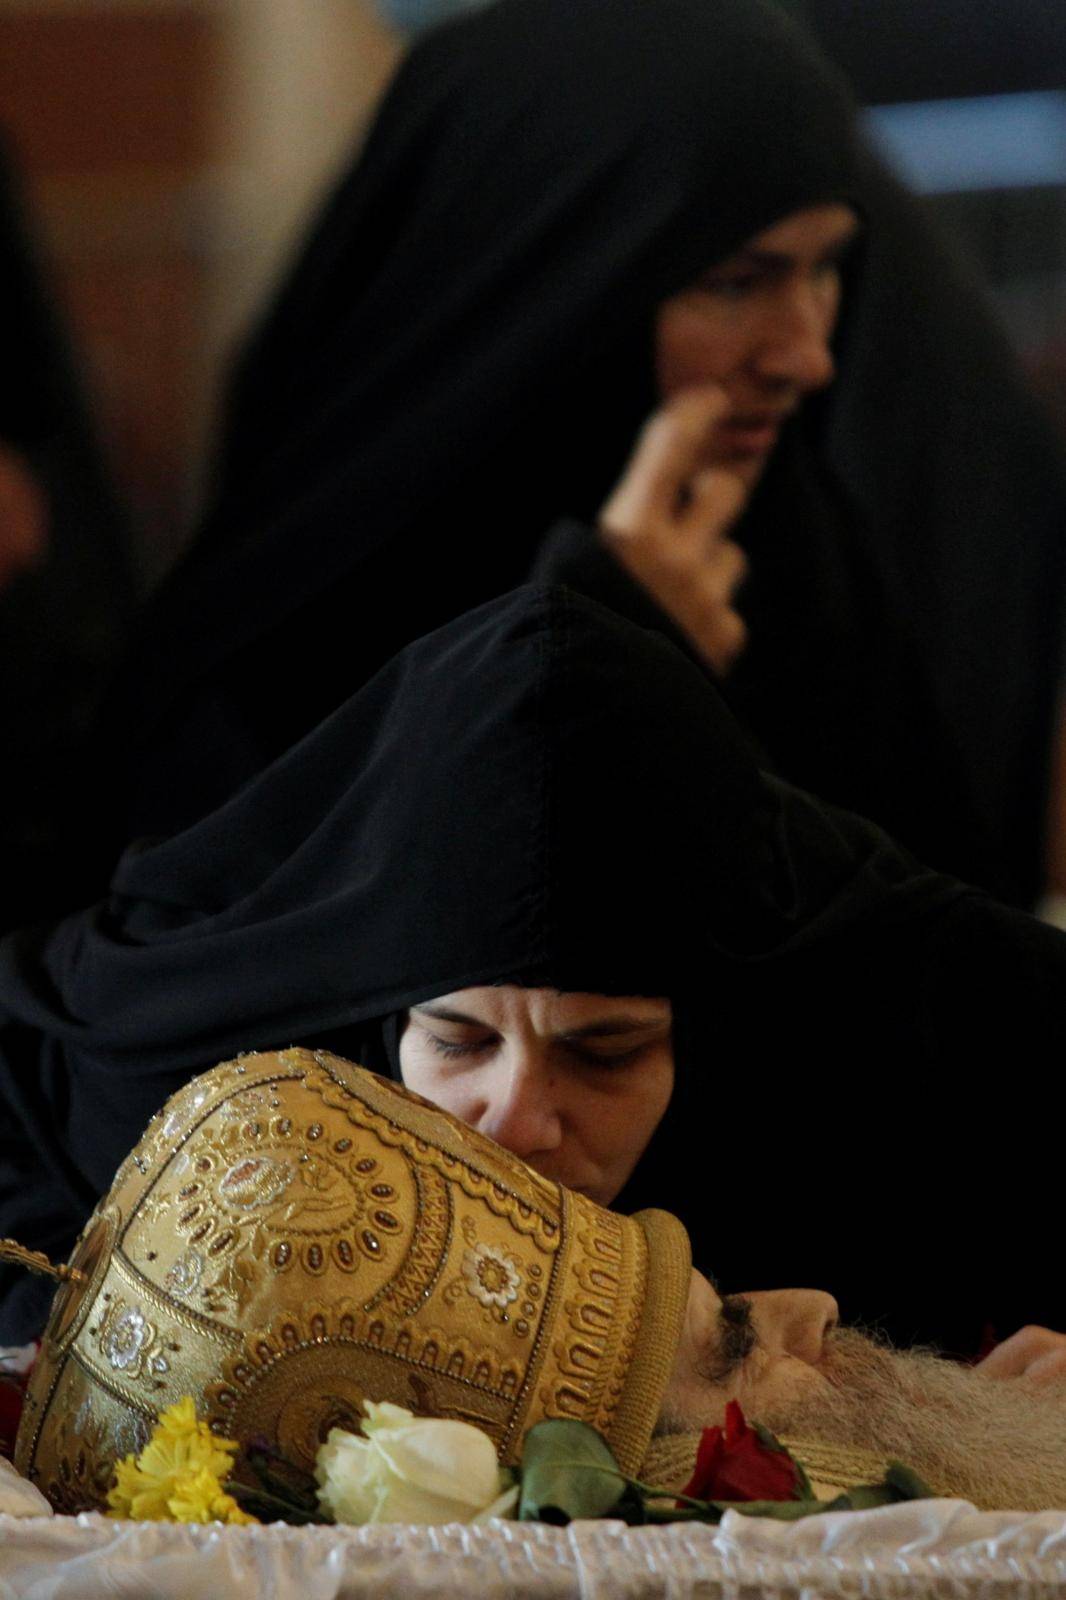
(542, 794)
(65, 592)
(109, 111)
(462, 356)
(415, 16)
(933, 49)
(993, 171)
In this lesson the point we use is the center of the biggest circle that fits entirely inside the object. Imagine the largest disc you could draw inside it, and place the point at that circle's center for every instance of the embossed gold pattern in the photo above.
(293, 1235)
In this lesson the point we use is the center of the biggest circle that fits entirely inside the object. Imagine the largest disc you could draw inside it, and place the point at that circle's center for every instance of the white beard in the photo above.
(998, 1442)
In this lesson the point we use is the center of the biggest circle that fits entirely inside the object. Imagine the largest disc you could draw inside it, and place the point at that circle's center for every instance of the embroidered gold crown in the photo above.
(293, 1235)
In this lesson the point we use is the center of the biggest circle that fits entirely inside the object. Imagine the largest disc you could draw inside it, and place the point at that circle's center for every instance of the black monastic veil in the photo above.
(461, 357)
(541, 792)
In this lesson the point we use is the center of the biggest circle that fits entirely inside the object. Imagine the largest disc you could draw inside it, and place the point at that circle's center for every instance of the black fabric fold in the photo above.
(461, 356)
(541, 792)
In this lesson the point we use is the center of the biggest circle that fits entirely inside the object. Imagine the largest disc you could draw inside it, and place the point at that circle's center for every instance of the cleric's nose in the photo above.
(794, 1322)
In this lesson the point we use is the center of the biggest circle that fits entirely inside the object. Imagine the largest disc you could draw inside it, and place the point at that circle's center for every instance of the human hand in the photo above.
(1035, 1353)
(668, 522)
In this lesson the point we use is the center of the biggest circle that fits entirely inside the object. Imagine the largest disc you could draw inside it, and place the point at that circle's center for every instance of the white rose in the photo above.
(412, 1469)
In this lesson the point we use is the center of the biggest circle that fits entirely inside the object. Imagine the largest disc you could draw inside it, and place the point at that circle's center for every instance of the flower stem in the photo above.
(292, 1512)
(636, 1483)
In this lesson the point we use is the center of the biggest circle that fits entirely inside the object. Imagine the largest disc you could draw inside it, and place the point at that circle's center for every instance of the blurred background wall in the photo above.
(969, 97)
(171, 149)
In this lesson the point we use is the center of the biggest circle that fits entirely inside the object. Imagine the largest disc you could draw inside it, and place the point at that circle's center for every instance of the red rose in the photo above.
(737, 1463)
(15, 1368)
(12, 1394)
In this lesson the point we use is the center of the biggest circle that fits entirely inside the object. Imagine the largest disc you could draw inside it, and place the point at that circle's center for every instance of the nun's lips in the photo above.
(754, 434)
(586, 1189)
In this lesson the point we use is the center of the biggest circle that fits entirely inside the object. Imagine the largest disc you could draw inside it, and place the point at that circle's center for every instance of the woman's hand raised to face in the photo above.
(668, 524)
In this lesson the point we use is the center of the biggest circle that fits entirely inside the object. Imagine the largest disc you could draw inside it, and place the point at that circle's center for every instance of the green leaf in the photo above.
(785, 1510)
(906, 1483)
(568, 1472)
(868, 1496)
(899, 1483)
(709, 1513)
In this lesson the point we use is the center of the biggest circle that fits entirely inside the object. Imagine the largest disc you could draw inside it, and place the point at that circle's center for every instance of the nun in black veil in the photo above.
(544, 797)
(451, 380)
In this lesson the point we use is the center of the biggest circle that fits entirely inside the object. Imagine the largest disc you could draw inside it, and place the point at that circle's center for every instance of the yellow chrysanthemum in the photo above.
(200, 1498)
(167, 1455)
(126, 1488)
(179, 1421)
(183, 1465)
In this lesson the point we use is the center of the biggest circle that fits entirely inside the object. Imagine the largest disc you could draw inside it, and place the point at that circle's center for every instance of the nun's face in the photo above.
(575, 1084)
(759, 325)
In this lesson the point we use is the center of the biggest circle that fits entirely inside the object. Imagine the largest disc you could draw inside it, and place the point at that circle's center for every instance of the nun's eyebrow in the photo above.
(446, 1014)
(603, 1027)
(608, 1026)
(783, 261)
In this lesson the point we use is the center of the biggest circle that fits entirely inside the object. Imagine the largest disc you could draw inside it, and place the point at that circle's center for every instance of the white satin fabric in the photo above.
(932, 1548)
(18, 1497)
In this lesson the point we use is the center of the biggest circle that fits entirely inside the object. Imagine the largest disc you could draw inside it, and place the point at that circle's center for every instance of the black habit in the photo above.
(542, 793)
(461, 358)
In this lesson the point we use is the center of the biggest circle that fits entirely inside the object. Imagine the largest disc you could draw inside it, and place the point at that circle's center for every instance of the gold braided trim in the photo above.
(662, 1318)
(842, 1466)
(599, 1284)
(837, 1466)
(669, 1461)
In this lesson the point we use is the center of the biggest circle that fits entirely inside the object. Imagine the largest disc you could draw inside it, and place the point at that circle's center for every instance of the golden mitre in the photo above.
(293, 1236)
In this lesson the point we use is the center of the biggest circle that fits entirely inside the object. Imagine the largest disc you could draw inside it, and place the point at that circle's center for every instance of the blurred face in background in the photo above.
(759, 325)
(574, 1084)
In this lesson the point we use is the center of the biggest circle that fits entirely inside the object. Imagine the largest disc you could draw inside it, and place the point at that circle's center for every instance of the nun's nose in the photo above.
(520, 1112)
(797, 349)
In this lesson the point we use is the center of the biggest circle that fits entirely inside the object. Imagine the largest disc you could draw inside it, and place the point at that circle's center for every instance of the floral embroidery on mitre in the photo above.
(125, 1342)
(491, 1277)
(255, 1181)
(130, 1343)
(186, 1274)
(180, 1116)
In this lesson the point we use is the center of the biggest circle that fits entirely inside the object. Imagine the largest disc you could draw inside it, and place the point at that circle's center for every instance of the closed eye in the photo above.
(606, 1059)
(452, 1049)
(735, 285)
